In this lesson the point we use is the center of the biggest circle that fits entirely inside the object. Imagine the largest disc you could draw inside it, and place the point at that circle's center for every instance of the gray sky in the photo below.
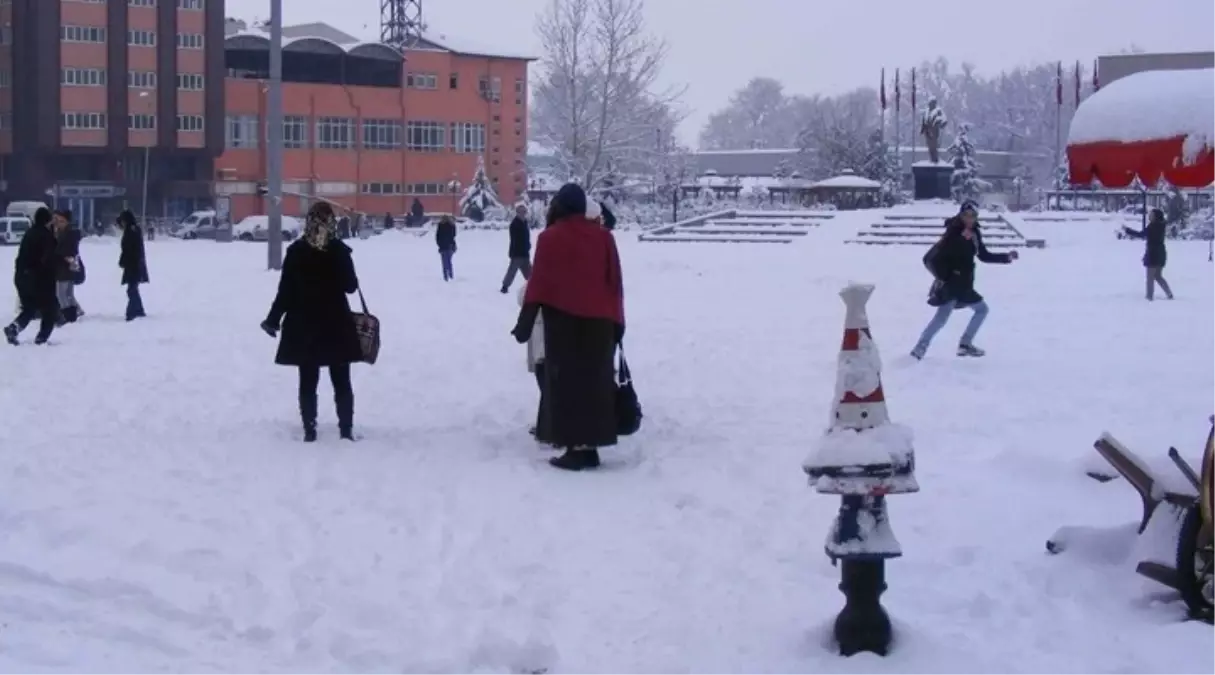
(818, 46)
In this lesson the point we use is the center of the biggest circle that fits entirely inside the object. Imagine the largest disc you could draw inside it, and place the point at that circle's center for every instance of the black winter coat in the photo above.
(1154, 252)
(952, 262)
(445, 236)
(520, 238)
(133, 260)
(34, 268)
(67, 245)
(318, 328)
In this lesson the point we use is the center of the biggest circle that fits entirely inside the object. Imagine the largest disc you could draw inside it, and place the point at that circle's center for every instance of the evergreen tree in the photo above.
(1063, 176)
(479, 197)
(882, 165)
(965, 183)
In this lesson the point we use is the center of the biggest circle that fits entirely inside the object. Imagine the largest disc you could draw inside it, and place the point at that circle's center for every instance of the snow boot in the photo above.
(918, 353)
(345, 414)
(970, 350)
(308, 416)
(10, 334)
(577, 459)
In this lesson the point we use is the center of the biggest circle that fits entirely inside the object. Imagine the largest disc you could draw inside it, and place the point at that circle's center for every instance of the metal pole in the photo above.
(143, 210)
(274, 145)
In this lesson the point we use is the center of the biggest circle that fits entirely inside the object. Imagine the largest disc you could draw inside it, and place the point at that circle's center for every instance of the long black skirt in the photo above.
(579, 379)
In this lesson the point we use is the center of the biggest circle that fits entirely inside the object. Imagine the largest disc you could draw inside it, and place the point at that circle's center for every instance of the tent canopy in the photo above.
(1152, 125)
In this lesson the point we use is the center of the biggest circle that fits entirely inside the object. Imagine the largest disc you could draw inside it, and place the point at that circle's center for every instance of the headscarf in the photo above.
(570, 200)
(319, 226)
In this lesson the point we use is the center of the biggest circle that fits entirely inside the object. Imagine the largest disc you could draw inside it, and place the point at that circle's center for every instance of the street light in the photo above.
(147, 147)
(274, 149)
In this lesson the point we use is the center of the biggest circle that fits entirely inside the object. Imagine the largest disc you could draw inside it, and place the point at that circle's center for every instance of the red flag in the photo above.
(898, 97)
(1096, 79)
(1059, 84)
(913, 89)
(1077, 84)
(883, 92)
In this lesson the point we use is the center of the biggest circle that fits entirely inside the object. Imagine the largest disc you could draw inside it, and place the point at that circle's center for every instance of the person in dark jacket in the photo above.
(1154, 253)
(134, 263)
(520, 249)
(389, 224)
(952, 264)
(577, 288)
(417, 214)
(318, 328)
(445, 237)
(67, 266)
(606, 215)
(34, 278)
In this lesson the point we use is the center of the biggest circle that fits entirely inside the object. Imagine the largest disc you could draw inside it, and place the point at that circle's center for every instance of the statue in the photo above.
(931, 124)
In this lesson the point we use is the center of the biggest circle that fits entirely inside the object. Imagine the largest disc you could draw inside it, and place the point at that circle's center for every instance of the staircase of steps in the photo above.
(740, 227)
(924, 230)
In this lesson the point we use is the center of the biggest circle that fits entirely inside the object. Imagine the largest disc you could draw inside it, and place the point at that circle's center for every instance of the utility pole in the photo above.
(274, 144)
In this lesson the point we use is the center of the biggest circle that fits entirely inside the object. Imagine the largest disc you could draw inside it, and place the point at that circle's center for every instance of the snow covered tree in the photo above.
(965, 182)
(782, 170)
(836, 135)
(596, 100)
(757, 116)
(881, 164)
(479, 197)
(1063, 176)
(1176, 206)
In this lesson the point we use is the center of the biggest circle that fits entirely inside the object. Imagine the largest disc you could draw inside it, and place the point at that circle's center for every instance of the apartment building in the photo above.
(103, 85)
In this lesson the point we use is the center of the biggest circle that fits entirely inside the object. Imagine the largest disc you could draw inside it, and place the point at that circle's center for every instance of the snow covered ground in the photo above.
(158, 512)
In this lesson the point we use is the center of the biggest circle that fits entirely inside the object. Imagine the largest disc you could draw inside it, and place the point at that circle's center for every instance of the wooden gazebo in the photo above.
(847, 191)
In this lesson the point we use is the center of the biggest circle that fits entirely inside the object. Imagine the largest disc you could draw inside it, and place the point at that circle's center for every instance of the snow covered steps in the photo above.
(740, 227)
(916, 230)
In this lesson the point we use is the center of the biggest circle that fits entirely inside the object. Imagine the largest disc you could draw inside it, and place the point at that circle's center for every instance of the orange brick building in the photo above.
(355, 136)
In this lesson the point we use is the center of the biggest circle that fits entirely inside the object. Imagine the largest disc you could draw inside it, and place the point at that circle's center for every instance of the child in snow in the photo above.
(535, 365)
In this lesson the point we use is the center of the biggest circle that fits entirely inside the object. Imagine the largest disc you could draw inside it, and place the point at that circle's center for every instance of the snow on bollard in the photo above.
(862, 457)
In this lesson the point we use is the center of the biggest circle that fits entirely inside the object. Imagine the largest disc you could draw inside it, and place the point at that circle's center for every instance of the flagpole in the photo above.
(1058, 115)
(914, 116)
(898, 132)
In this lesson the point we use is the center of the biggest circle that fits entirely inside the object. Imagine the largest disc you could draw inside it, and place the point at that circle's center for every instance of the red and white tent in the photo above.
(1155, 124)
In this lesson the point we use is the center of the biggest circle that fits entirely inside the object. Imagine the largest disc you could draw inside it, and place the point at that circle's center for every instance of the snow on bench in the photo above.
(690, 237)
(715, 228)
(766, 222)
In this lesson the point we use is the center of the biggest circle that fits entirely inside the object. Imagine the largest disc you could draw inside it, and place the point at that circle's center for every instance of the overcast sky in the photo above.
(818, 46)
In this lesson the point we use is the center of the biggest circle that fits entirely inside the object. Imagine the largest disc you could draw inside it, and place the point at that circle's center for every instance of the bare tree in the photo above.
(597, 105)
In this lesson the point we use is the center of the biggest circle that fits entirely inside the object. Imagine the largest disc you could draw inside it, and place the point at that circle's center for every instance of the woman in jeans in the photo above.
(314, 314)
(1154, 253)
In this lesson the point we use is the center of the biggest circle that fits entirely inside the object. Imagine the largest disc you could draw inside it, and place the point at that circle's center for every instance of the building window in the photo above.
(81, 34)
(6, 120)
(141, 3)
(82, 77)
(190, 81)
(425, 136)
(189, 122)
(454, 81)
(381, 134)
(6, 77)
(141, 79)
(83, 120)
(90, 2)
(422, 80)
(241, 131)
(6, 35)
(189, 4)
(295, 132)
(520, 90)
(381, 188)
(189, 41)
(490, 88)
(334, 133)
(467, 137)
(141, 38)
(141, 122)
(427, 189)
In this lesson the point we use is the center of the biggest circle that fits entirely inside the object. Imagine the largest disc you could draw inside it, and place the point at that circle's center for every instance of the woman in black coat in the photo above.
(134, 263)
(952, 264)
(1154, 253)
(34, 278)
(318, 328)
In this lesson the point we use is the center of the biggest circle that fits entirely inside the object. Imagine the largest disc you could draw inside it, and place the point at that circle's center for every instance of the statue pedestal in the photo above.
(932, 180)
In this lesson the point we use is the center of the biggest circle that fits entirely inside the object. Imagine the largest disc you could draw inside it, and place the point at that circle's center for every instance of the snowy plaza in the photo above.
(160, 513)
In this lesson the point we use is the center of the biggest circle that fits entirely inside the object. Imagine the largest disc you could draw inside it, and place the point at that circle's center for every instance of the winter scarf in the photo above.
(318, 232)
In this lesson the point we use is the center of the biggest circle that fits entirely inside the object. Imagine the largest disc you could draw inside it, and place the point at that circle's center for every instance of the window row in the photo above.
(420, 189)
(136, 79)
(97, 120)
(181, 4)
(339, 133)
(489, 87)
(135, 37)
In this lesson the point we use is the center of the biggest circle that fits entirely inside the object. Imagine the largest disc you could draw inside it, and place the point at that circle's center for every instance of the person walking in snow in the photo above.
(34, 278)
(952, 264)
(67, 266)
(1154, 253)
(313, 313)
(535, 365)
(134, 263)
(445, 237)
(578, 290)
(520, 249)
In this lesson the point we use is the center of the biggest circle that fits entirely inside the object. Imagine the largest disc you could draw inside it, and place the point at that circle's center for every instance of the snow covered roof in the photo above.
(1151, 105)
(472, 48)
(256, 39)
(318, 36)
(848, 181)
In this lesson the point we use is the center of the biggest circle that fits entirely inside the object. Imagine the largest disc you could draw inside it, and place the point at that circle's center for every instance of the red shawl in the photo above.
(577, 271)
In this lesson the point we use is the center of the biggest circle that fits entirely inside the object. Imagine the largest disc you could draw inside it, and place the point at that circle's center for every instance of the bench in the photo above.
(1152, 491)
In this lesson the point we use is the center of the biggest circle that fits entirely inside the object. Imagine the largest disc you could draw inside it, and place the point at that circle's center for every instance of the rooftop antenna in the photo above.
(400, 23)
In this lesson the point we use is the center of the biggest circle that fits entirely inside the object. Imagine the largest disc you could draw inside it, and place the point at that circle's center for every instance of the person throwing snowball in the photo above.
(952, 264)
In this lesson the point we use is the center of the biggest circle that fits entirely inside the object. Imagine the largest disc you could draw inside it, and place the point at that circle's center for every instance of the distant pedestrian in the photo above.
(445, 237)
(134, 263)
(952, 264)
(520, 249)
(417, 214)
(34, 278)
(68, 266)
(1155, 255)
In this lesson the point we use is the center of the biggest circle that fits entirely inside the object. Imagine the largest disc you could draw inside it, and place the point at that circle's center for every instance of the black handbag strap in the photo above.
(363, 302)
(623, 375)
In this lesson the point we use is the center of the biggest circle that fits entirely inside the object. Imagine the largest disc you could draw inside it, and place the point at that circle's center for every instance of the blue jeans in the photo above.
(445, 256)
(134, 302)
(939, 320)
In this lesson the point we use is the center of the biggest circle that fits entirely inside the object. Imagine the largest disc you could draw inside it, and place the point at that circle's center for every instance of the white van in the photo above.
(13, 229)
(24, 209)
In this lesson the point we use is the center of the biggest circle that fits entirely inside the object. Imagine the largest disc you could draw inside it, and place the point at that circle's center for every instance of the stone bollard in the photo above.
(862, 457)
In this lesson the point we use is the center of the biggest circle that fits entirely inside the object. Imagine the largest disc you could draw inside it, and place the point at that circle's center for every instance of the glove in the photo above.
(269, 328)
(522, 335)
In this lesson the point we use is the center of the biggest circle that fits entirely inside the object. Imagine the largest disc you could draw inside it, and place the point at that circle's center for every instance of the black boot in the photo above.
(577, 459)
(10, 334)
(308, 416)
(345, 414)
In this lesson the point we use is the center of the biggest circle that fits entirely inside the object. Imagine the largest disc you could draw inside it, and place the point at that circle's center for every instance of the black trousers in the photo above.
(543, 423)
(343, 394)
(40, 303)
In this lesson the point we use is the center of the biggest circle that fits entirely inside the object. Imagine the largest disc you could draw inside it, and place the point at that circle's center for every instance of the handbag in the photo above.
(628, 409)
(78, 274)
(368, 329)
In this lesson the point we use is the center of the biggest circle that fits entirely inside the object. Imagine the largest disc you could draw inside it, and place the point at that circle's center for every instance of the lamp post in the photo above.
(274, 149)
(147, 147)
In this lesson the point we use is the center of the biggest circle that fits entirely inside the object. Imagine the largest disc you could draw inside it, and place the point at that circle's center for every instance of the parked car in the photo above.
(24, 209)
(13, 229)
(257, 228)
(197, 225)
